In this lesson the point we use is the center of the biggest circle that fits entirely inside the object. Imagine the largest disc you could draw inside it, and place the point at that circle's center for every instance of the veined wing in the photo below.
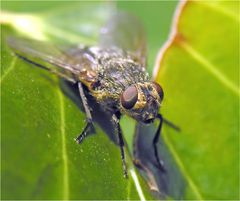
(52, 58)
(126, 32)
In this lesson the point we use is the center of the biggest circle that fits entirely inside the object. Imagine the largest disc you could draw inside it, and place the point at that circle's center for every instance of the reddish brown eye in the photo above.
(129, 97)
(158, 89)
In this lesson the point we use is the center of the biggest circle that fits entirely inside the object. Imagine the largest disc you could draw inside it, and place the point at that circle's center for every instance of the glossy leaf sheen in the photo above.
(200, 75)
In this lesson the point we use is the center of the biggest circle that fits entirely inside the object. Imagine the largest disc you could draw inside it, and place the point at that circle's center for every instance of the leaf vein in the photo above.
(137, 184)
(64, 148)
(210, 67)
(192, 185)
(222, 10)
(9, 68)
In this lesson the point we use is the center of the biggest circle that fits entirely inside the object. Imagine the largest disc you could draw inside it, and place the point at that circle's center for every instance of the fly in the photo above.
(113, 72)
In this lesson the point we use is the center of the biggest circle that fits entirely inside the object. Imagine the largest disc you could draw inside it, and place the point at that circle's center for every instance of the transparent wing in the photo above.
(126, 32)
(52, 58)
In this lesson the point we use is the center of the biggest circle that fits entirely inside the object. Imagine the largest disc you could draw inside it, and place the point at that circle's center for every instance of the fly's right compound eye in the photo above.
(158, 89)
(129, 97)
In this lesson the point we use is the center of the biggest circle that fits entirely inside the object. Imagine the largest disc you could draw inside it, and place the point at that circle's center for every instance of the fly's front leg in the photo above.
(115, 119)
(84, 133)
(155, 141)
(156, 138)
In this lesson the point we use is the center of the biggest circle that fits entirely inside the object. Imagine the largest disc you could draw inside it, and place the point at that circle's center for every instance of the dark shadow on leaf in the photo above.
(170, 183)
(100, 117)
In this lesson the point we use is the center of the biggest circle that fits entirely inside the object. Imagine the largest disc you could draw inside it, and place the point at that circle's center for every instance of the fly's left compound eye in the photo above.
(158, 89)
(129, 97)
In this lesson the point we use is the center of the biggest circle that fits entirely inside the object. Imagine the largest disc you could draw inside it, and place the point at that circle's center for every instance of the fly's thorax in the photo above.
(116, 71)
(142, 101)
(113, 77)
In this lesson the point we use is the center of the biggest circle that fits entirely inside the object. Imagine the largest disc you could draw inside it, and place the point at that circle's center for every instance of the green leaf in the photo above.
(41, 117)
(199, 70)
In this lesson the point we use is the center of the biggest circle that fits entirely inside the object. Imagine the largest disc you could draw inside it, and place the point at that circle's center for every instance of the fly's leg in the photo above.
(169, 123)
(156, 138)
(115, 119)
(136, 161)
(155, 141)
(84, 133)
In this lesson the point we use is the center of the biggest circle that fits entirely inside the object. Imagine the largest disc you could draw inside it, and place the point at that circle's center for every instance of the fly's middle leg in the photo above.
(116, 119)
(84, 133)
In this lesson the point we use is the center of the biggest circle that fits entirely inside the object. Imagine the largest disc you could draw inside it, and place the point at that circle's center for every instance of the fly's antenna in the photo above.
(170, 124)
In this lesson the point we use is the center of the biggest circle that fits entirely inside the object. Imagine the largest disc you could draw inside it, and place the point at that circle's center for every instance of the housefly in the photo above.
(113, 72)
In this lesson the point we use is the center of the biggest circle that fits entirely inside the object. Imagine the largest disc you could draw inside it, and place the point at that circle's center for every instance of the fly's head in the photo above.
(142, 101)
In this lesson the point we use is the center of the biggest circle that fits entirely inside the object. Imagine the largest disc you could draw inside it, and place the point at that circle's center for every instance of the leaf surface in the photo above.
(199, 70)
(41, 116)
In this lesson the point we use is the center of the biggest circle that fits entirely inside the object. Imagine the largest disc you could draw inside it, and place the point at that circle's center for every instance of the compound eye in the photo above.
(129, 97)
(158, 89)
